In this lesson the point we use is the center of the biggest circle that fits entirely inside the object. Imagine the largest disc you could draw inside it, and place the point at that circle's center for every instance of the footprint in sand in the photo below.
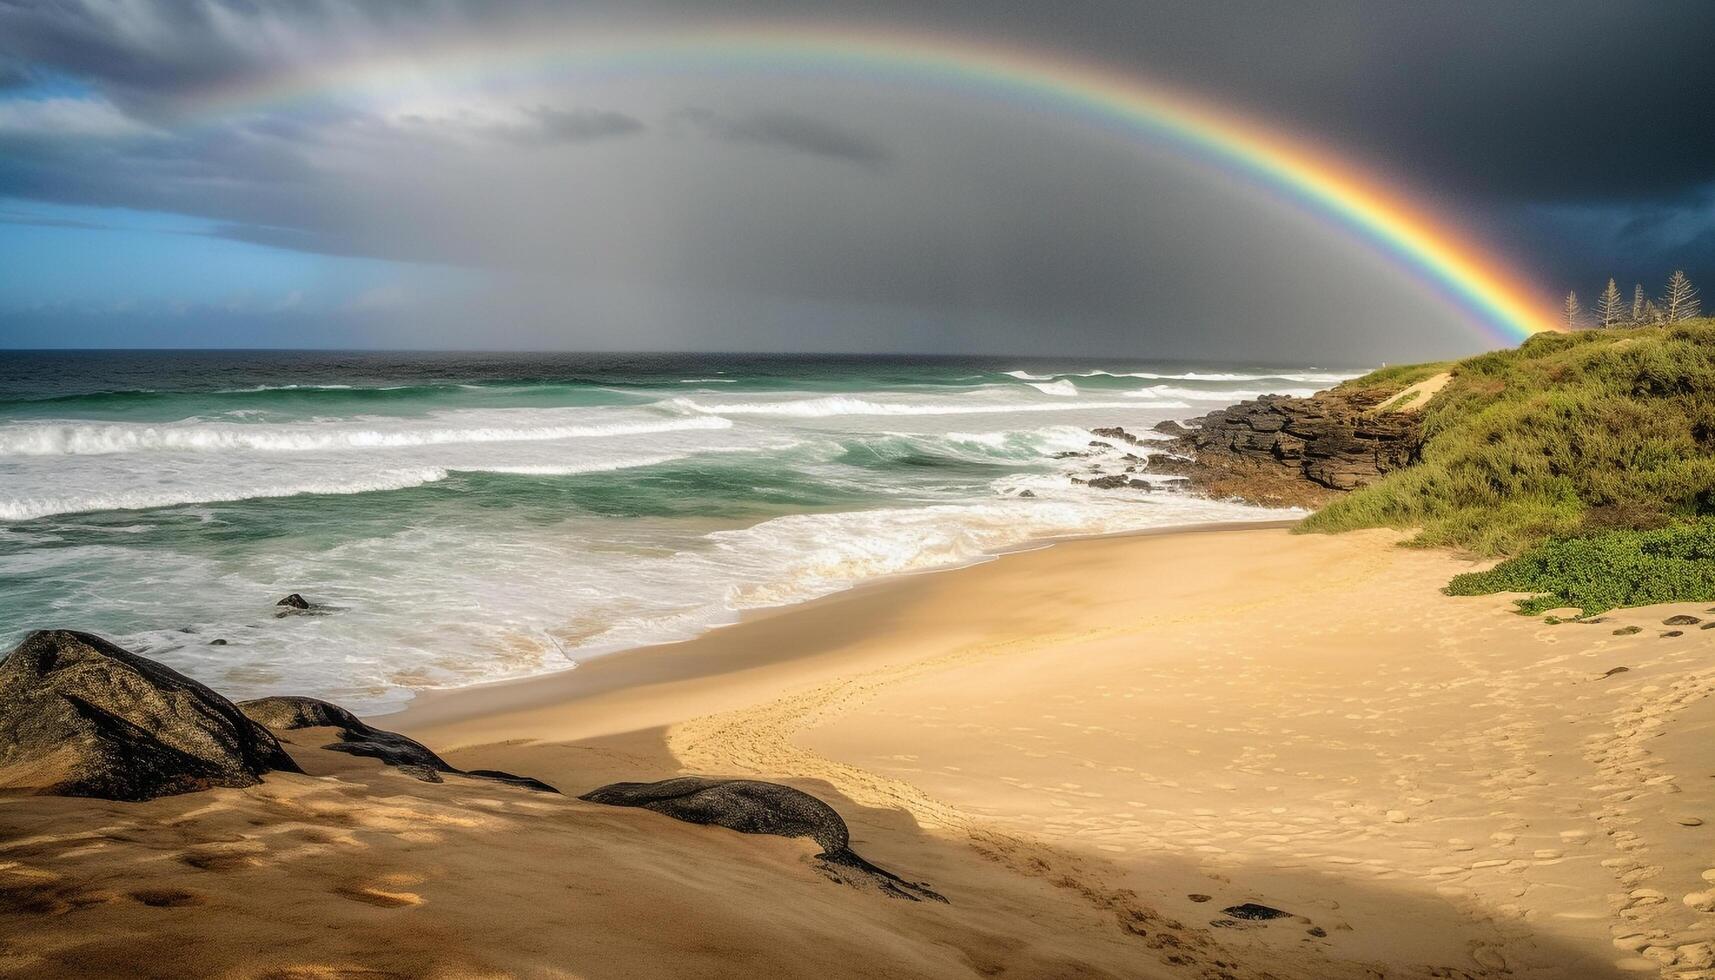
(167, 898)
(380, 893)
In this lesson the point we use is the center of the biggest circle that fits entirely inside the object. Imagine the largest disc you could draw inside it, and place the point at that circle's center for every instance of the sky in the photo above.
(146, 202)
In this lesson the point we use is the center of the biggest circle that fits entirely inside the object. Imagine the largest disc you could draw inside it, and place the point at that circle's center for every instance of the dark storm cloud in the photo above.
(802, 134)
(1571, 133)
(13, 75)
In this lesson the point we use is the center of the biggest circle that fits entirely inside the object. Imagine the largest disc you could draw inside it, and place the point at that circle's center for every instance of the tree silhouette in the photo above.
(1639, 303)
(1680, 302)
(1609, 307)
(1572, 310)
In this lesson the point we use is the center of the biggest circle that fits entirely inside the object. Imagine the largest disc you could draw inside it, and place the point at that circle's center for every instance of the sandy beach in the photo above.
(1091, 750)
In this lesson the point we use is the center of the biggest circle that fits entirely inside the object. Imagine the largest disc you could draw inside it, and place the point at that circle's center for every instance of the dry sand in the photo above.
(1091, 750)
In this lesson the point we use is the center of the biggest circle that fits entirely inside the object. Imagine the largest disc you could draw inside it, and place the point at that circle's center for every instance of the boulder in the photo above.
(358, 738)
(1115, 432)
(80, 716)
(295, 601)
(753, 807)
(1254, 912)
(1681, 620)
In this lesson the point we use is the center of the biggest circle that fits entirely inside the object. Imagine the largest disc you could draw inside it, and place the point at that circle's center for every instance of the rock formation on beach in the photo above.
(80, 716)
(753, 807)
(1285, 451)
(359, 738)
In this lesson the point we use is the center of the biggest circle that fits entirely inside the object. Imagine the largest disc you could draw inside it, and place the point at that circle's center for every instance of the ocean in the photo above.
(466, 518)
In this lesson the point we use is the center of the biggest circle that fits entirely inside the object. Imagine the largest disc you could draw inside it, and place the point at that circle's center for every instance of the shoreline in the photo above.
(438, 706)
(1106, 754)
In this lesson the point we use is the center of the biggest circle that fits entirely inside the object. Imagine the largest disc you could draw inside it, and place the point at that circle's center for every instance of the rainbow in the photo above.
(1489, 295)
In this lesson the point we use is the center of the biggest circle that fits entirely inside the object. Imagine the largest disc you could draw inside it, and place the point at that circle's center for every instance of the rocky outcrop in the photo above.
(362, 739)
(80, 716)
(753, 807)
(1287, 451)
(1115, 432)
(294, 601)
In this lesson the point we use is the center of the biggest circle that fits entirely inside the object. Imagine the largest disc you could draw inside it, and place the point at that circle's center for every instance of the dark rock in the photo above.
(1115, 432)
(1615, 670)
(1628, 630)
(1172, 428)
(359, 738)
(217, 642)
(753, 807)
(1254, 912)
(1032, 493)
(1672, 633)
(80, 716)
(1293, 451)
(1114, 481)
(1707, 626)
(1318, 932)
(1681, 621)
(295, 601)
(1201, 898)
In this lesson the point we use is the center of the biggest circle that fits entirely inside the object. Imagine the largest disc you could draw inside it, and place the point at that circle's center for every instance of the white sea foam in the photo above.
(30, 507)
(1062, 388)
(835, 405)
(1297, 377)
(68, 439)
(1206, 395)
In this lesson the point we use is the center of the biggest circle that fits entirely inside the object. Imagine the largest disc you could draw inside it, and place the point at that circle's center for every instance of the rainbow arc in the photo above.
(1491, 296)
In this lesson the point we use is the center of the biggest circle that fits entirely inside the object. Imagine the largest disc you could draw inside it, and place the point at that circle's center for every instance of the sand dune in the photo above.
(1091, 750)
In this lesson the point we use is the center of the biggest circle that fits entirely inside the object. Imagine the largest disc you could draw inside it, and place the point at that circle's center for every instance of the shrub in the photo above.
(1605, 570)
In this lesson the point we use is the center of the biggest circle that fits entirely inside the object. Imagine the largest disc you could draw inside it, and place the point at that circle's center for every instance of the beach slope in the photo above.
(1116, 757)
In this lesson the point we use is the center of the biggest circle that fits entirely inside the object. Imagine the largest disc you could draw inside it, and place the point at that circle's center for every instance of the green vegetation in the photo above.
(1589, 458)
(1600, 572)
(1567, 435)
(1391, 380)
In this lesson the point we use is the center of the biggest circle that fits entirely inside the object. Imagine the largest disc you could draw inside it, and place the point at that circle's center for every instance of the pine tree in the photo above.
(1572, 310)
(1652, 313)
(1680, 302)
(1638, 303)
(1610, 309)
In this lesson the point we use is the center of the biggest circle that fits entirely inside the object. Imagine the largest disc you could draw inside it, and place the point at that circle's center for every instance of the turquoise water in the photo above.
(477, 517)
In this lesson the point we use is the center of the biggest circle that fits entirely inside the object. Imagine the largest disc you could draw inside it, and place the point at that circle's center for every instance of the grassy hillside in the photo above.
(1566, 434)
(1589, 436)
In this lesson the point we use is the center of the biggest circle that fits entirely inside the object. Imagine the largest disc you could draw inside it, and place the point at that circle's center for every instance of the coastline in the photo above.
(685, 660)
(1104, 754)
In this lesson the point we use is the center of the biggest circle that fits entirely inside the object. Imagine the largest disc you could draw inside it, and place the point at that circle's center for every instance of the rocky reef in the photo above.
(1283, 451)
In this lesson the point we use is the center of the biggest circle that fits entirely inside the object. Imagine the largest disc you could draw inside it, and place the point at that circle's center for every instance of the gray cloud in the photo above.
(1571, 139)
(40, 221)
(802, 134)
(550, 125)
